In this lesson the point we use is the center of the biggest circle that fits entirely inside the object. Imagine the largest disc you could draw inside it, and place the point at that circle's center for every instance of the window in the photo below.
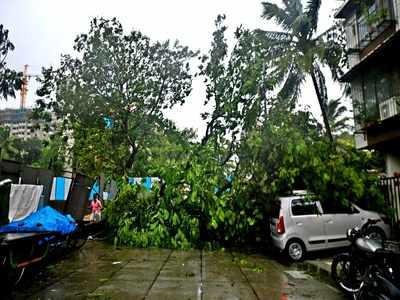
(358, 103)
(371, 109)
(275, 209)
(303, 207)
(336, 207)
(378, 85)
(354, 29)
(383, 87)
(351, 33)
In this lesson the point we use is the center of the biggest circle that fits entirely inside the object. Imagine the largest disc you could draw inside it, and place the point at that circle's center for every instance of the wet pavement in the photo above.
(99, 271)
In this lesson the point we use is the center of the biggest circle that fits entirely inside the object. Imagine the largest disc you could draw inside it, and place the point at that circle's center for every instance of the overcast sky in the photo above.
(42, 30)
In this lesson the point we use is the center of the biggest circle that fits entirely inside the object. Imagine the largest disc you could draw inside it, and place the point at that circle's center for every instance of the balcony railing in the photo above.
(370, 25)
(391, 191)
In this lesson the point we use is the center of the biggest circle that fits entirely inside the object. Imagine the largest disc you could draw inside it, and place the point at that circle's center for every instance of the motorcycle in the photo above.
(349, 268)
(382, 280)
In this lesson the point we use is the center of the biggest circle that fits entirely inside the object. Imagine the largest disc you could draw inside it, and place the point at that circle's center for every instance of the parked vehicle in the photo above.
(380, 282)
(300, 223)
(363, 265)
(349, 268)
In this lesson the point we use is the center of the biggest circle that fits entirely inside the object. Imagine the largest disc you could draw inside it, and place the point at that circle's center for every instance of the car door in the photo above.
(308, 223)
(337, 218)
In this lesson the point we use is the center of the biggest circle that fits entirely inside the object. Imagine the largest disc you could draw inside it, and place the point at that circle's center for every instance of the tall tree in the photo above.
(10, 80)
(115, 93)
(235, 86)
(297, 51)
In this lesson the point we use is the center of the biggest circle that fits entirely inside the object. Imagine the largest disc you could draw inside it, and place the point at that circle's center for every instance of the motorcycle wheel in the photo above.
(348, 278)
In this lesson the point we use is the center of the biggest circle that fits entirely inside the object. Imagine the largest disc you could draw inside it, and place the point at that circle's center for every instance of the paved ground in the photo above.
(99, 271)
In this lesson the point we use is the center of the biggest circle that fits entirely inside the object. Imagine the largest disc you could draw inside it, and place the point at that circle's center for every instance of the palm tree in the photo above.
(334, 111)
(296, 51)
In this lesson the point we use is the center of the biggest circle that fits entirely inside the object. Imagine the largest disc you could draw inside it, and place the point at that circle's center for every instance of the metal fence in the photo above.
(76, 202)
(391, 190)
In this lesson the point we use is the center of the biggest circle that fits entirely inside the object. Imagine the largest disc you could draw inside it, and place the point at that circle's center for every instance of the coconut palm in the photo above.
(297, 51)
(335, 113)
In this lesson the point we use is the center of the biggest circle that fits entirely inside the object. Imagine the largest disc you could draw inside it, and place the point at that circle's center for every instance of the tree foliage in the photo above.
(29, 150)
(123, 80)
(26, 151)
(7, 147)
(235, 86)
(10, 80)
(199, 203)
(297, 51)
(336, 116)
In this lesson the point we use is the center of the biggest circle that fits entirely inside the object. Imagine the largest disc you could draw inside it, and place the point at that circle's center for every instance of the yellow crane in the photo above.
(24, 86)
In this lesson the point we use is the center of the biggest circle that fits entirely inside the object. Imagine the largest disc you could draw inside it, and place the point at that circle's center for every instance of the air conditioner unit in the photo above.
(389, 108)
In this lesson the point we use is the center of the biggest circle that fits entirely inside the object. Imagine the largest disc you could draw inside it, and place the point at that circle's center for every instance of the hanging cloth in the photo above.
(24, 200)
(60, 188)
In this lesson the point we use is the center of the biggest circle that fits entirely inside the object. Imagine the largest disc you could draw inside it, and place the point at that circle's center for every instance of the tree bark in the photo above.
(321, 104)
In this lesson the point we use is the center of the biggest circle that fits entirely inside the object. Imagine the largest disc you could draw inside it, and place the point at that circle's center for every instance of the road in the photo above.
(99, 271)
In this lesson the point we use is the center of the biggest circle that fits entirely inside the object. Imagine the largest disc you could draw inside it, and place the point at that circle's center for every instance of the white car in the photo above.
(301, 224)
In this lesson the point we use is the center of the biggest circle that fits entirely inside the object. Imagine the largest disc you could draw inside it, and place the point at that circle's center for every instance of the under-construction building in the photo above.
(21, 124)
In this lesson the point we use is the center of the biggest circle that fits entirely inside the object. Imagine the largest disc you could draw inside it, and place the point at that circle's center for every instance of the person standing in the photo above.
(96, 207)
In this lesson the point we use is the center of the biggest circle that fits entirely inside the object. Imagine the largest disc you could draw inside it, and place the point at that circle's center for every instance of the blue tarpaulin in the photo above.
(146, 182)
(46, 219)
(95, 190)
(108, 122)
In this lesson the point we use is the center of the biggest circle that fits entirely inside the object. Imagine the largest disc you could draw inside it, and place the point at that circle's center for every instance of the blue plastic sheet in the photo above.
(146, 182)
(46, 219)
(95, 190)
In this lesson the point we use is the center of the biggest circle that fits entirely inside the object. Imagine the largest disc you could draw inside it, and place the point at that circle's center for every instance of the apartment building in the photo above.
(22, 126)
(373, 43)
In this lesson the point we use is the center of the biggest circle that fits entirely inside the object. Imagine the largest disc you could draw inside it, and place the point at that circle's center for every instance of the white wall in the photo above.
(392, 163)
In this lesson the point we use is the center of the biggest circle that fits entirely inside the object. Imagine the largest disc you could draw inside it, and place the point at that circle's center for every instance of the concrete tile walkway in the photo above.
(99, 271)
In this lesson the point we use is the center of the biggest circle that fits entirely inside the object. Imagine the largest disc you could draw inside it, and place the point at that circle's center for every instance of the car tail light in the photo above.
(280, 226)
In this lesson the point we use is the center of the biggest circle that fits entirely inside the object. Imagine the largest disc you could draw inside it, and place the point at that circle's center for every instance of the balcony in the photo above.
(369, 26)
(376, 92)
(371, 112)
(389, 108)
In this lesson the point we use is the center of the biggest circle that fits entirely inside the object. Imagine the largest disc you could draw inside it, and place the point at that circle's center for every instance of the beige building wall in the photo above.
(392, 164)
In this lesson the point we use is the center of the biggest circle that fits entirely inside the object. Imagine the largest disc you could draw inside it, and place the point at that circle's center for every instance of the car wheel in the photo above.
(295, 250)
(376, 234)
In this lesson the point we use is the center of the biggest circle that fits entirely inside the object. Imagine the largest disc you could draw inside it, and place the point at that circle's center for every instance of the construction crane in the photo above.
(24, 86)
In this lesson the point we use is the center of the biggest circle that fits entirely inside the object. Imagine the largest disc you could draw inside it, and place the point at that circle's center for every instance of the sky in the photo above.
(42, 30)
